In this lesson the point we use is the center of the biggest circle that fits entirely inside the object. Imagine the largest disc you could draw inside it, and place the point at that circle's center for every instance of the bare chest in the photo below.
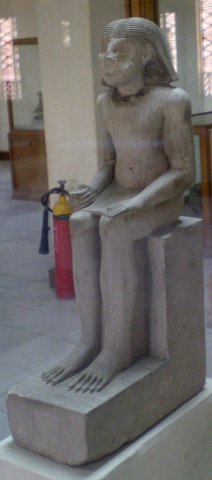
(137, 135)
(143, 121)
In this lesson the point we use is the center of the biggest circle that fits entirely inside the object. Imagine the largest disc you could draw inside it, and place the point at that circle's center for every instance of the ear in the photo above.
(147, 53)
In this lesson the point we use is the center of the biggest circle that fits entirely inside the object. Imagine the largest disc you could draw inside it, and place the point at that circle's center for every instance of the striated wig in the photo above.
(159, 70)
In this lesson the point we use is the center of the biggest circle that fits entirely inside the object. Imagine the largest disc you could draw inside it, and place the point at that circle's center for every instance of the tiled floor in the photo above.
(36, 329)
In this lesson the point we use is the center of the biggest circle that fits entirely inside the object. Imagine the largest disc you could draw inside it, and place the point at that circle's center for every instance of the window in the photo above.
(10, 85)
(168, 26)
(206, 44)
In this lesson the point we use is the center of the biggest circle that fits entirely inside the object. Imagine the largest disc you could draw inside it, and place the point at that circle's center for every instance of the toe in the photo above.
(80, 385)
(47, 374)
(76, 379)
(91, 381)
(94, 384)
(60, 377)
(54, 375)
(102, 384)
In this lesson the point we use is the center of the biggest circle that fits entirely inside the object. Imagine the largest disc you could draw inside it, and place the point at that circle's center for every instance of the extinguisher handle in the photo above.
(62, 184)
(56, 190)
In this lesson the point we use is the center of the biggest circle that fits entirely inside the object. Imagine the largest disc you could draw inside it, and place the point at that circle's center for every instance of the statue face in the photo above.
(120, 61)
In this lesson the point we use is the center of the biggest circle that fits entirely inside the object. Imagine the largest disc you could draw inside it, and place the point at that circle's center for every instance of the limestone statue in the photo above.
(137, 269)
(145, 152)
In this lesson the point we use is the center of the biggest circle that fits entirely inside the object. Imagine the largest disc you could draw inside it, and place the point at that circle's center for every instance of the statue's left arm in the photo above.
(178, 147)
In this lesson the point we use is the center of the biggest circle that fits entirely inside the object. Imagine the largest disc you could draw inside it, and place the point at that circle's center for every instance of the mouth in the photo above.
(110, 74)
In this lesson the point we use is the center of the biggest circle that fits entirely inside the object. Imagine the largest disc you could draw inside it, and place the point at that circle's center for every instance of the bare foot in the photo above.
(94, 378)
(78, 359)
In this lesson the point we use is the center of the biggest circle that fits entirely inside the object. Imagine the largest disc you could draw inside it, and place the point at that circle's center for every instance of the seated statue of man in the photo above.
(145, 165)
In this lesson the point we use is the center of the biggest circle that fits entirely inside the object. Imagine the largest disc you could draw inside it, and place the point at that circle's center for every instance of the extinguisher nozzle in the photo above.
(44, 242)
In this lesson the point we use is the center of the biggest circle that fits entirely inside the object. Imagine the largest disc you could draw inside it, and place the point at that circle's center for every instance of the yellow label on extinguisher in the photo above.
(62, 207)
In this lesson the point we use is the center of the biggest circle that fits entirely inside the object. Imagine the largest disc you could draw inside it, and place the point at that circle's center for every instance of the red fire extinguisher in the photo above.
(64, 284)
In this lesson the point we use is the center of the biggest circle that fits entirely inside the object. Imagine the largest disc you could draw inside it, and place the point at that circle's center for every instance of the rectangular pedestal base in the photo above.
(178, 448)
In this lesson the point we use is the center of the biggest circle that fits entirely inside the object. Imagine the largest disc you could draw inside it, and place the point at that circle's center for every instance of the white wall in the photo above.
(69, 55)
(25, 13)
(67, 85)
(101, 13)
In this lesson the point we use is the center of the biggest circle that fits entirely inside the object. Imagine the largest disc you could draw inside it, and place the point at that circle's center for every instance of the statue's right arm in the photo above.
(105, 148)
(85, 195)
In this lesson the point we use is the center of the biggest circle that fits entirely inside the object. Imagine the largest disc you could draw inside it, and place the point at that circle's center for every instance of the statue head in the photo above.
(156, 64)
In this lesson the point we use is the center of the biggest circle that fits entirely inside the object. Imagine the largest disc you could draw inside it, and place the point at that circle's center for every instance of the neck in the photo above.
(131, 88)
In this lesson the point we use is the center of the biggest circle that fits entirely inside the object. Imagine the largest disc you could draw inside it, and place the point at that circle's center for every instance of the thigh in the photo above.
(162, 215)
(120, 230)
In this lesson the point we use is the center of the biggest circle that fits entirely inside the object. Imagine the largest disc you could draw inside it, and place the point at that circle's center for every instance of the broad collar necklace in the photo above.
(125, 100)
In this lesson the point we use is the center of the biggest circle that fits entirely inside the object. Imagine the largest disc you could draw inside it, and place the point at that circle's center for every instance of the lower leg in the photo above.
(85, 242)
(120, 281)
(86, 262)
(118, 287)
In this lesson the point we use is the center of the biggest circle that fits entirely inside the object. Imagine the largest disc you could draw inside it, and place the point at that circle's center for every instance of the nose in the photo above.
(108, 58)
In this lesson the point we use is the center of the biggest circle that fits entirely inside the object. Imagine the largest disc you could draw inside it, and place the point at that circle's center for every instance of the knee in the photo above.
(110, 228)
(104, 226)
(81, 222)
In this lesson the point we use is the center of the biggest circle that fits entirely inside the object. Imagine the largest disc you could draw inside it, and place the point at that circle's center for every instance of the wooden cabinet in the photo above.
(205, 140)
(28, 163)
(142, 8)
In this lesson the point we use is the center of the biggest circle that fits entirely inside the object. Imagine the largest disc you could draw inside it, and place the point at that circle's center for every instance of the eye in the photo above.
(119, 53)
